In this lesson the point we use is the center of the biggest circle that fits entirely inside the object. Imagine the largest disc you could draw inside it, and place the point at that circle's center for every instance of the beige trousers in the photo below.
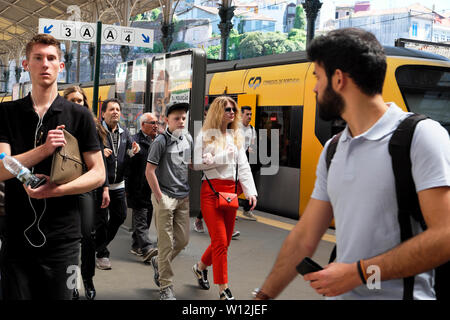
(172, 225)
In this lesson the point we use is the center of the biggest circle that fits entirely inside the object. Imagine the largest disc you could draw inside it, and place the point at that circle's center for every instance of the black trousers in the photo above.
(87, 203)
(47, 273)
(142, 219)
(107, 227)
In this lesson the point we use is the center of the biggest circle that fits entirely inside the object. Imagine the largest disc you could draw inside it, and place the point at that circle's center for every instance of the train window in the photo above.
(288, 122)
(426, 90)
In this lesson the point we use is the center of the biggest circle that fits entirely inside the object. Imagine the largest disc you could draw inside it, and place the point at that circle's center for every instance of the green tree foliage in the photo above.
(300, 18)
(252, 45)
(154, 14)
(298, 36)
(255, 44)
(213, 52)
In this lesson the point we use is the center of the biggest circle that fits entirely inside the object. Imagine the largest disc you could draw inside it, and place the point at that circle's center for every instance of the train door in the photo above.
(280, 132)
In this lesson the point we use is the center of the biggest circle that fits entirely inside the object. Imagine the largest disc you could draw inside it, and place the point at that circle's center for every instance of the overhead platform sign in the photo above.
(85, 31)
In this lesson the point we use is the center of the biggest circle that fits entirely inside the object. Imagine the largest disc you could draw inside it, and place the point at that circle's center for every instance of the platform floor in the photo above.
(251, 257)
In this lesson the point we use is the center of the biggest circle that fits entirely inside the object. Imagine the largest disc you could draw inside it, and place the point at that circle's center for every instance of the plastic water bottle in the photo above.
(22, 173)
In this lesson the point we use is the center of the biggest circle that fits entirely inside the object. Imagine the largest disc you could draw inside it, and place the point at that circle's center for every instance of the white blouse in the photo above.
(221, 163)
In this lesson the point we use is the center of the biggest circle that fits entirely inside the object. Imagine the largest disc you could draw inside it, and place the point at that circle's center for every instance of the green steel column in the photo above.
(97, 67)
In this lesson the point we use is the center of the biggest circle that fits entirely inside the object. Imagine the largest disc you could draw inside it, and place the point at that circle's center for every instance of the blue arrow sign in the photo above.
(47, 29)
(146, 38)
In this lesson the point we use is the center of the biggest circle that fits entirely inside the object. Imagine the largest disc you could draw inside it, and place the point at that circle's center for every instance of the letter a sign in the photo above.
(84, 31)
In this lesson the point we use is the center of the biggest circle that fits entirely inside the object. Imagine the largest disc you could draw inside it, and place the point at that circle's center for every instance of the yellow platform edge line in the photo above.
(285, 226)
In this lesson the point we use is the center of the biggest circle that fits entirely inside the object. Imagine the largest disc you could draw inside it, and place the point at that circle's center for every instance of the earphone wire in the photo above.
(31, 204)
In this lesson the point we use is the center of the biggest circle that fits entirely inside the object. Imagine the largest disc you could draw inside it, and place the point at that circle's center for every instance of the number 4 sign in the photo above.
(128, 36)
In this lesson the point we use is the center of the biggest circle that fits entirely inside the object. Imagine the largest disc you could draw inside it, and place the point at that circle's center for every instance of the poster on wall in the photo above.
(171, 82)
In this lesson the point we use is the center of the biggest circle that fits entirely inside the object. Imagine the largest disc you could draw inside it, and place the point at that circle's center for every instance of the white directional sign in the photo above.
(85, 31)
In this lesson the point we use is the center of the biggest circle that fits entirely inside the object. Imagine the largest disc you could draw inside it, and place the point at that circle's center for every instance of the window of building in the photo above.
(414, 29)
(427, 31)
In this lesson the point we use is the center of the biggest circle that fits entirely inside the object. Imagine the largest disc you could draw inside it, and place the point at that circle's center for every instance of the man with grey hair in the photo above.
(138, 191)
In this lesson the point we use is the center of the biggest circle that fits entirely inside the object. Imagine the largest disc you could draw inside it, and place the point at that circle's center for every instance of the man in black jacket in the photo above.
(118, 151)
(138, 191)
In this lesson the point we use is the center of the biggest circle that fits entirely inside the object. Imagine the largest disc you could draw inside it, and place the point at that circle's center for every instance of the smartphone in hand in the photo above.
(307, 266)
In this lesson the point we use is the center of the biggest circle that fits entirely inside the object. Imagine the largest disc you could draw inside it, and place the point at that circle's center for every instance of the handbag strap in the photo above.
(235, 185)
(65, 156)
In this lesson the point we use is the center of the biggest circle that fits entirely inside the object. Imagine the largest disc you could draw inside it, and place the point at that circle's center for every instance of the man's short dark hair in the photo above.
(353, 51)
(243, 108)
(105, 104)
(42, 38)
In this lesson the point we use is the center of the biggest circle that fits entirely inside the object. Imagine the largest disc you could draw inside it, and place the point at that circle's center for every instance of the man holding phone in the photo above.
(359, 191)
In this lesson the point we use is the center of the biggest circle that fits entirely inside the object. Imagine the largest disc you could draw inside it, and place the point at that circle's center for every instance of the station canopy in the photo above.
(19, 19)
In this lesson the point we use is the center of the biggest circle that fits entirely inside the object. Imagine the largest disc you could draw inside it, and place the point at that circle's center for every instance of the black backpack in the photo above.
(407, 200)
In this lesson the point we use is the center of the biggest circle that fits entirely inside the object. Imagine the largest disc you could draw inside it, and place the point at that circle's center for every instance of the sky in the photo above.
(440, 5)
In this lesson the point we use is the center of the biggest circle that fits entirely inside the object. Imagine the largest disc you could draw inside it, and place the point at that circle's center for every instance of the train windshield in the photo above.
(426, 90)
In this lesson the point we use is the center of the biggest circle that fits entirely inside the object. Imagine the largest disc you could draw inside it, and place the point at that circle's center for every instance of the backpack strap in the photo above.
(331, 150)
(407, 200)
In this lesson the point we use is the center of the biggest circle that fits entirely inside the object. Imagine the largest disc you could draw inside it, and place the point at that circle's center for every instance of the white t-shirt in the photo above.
(249, 134)
(360, 185)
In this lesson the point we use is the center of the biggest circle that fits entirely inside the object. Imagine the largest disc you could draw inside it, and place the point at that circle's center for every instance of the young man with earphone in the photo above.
(42, 240)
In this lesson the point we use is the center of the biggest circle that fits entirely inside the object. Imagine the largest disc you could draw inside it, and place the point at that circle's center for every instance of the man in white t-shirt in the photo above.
(358, 190)
(249, 134)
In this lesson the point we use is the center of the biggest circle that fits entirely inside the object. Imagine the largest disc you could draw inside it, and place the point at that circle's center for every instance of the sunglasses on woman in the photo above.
(229, 109)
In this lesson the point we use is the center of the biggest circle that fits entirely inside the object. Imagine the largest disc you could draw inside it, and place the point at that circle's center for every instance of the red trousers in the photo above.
(220, 225)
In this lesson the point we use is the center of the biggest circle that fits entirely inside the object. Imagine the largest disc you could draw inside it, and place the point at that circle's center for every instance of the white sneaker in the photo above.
(103, 263)
(166, 294)
(235, 234)
(198, 226)
(248, 215)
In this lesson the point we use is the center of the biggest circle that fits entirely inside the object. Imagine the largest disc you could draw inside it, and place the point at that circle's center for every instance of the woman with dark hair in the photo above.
(90, 202)
(220, 153)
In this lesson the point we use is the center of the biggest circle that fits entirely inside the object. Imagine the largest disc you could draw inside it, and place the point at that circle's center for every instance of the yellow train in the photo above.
(279, 89)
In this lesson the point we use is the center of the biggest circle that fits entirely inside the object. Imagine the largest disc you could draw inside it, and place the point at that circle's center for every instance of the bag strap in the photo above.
(235, 185)
(407, 199)
(331, 150)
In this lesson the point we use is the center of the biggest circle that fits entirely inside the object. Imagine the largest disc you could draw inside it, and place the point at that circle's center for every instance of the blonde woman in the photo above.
(218, 150)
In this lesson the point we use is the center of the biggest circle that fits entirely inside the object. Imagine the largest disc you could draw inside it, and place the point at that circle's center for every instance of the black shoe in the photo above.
(226, 295)
(202, 277)
(89, 289)
(75, 294)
